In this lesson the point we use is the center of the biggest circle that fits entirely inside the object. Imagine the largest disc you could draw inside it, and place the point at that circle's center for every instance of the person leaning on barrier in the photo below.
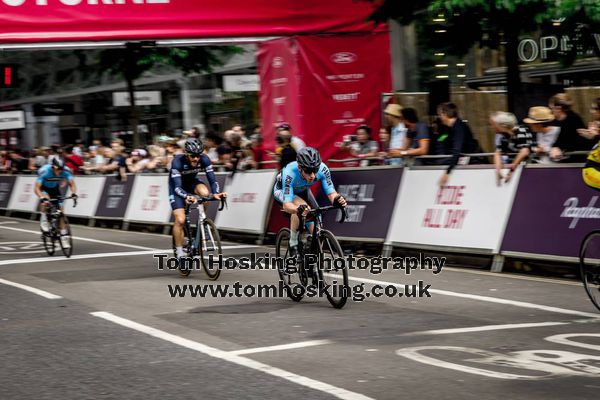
(360, 145)
(510, 138)
(540, 121)
(460, 137)
(393, 115)
(568, 138)
(417, 135)
(593, 130)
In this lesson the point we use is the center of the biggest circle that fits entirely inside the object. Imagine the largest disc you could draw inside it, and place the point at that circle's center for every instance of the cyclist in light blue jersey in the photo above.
(292, 189)
(51, 177)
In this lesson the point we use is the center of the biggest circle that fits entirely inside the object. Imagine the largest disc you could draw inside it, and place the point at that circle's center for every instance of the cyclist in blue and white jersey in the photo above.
(52, 177)
(292, 189)
(184, 182)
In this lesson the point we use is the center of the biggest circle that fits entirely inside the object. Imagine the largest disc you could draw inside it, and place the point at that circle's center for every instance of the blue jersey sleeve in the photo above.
(287, 180)
(67, 174)
(325, 177)
(42, 173)
(175, 175)
(212, 179)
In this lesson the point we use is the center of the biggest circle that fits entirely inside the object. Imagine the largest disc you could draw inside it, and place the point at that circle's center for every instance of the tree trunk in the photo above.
(513, 74)
(130, 67)
(134, 119)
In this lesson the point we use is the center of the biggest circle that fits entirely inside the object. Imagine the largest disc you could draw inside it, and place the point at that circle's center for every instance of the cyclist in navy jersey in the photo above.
(184, 182)
(292, 189)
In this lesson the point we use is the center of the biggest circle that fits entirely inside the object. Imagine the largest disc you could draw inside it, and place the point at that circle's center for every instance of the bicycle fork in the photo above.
(207, 240)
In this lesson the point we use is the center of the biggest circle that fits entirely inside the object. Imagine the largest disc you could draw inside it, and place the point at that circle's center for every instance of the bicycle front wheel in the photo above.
(333, 270)
(49, 244)
(589, 262)
(65, 240)
(291, 279)
(211, 247)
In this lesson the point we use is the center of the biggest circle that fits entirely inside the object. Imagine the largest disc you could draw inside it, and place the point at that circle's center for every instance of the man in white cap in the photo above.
(393, 114)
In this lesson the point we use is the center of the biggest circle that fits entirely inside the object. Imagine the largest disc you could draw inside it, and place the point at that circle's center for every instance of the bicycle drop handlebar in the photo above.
(202, 199)
(62, 198)
(322, 210)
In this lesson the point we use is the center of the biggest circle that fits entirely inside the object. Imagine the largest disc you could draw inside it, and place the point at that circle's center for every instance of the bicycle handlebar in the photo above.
(62, 198)
(321, 210)
(202, 199)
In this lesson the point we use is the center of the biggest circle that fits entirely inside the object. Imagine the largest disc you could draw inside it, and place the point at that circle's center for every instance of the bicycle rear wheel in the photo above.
(589, 262)
(291, 279)
(331, 272)
(66, 240)
(213, 248)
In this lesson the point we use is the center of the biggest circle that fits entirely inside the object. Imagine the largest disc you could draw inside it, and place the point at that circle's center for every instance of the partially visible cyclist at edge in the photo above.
(184, 183)
(591, 170)
(51, 177)
(292, 190)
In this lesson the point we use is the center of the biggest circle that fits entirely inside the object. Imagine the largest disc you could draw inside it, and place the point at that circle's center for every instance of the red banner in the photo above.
(343, 77)
(83, 20)
(340, 79)
(279, 88)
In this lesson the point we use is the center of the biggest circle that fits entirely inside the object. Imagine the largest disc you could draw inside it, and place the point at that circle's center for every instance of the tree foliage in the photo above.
(137, 58)
(496, 23)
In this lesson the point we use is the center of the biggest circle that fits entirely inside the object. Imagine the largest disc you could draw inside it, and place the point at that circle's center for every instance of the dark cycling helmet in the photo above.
(308, 158)
(194, 147)
(58, 163)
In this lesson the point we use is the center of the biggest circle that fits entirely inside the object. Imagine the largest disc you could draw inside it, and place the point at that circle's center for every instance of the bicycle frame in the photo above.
(200, 234)
(315, 215)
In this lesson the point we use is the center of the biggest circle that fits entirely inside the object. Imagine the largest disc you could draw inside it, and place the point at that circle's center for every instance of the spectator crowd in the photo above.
(548, 134)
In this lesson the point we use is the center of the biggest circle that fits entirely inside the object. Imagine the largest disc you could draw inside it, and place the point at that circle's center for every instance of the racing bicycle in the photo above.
(200, 240)
(324, 248)
(589, 263)
(57, 219)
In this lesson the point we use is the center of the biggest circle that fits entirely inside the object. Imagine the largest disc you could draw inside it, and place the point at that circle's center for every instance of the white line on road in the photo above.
(485, 328)
(485, 298)
(288, 346)
(79, 257)
(95, 255)
(131, 246)
(8, 222)
(31, 289)
(233, 358)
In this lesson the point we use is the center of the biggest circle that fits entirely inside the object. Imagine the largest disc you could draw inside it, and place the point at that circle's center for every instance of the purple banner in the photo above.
(115, 195)
(6, 186)
(552, 212)
(371, 195)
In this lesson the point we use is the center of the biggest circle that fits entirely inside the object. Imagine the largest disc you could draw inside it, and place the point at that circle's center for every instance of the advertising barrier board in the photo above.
(469, 213)
(552, 212)
(250, 194)
(23, 197)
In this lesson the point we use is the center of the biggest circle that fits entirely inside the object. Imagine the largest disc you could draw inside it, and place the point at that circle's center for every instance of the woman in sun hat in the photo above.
(540, 120)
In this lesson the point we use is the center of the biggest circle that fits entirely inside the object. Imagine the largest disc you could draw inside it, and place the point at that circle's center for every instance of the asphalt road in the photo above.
(103, 325)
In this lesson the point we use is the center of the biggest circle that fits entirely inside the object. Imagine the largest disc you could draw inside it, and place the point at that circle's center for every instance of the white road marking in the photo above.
(288, 346)
(8, 222)
(486, 328)
(31, 289)
(486, 298)
(233, 358)
(511, 276)
(80, 257)
(95, 255)
(566, 339)
(131, 246)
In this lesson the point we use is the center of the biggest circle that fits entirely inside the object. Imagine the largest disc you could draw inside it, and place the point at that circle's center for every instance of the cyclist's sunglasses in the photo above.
(190, 155)
(309, 171)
